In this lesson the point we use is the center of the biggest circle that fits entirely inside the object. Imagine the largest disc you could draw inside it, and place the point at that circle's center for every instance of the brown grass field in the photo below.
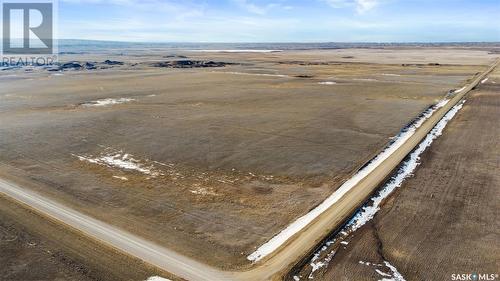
(229, 155)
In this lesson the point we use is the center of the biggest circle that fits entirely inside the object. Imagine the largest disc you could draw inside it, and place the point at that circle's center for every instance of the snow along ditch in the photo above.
(368, 211)
(278, 240)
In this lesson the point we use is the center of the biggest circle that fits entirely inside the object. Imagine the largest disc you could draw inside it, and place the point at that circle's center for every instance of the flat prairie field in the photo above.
(213, 153)
(443, 222)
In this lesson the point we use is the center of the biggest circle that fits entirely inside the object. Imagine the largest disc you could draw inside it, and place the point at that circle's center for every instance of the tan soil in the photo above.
(253, 152)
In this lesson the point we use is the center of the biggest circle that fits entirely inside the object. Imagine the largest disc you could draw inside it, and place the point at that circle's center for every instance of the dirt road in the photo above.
(444, 219)
(270, 268)
(130, 244)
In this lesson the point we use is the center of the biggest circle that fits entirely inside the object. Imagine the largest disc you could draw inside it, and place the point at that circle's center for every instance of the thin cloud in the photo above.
(253, 8)
(338, 3)
(178, 7)
(361, 6)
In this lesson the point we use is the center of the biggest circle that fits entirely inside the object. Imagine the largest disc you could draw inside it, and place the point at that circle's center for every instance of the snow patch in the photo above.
(121, 160)
(157, 278)
(382, 273)
(200, 183)
(107, 102)
(316, 265)
(484, 80)
(204, 192)
(327, 83)
(442, 103)
(395, 276)
(390, 74)
(278, 240)
(460, 90)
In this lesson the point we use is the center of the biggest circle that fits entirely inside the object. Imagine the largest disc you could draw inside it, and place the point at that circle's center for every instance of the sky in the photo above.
(281, 20)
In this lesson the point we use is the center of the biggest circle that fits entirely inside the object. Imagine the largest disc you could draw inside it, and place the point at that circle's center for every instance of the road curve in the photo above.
(274, 266)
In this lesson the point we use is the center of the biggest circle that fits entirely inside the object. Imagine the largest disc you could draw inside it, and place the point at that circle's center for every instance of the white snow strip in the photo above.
(327, 83)
(395, 276)
(461, 89)
(484, 80)
(106, 102)
(389, 74)
(406, 170)
(237, 51)
(124, 163)
(121, 178)
(303, 221)
(442, 103)
(316, 266)
(382, 273)
(367, 263)
(157, 278)
(320, 264)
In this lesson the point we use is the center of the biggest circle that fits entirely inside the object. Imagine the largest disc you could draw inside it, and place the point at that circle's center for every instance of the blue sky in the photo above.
(281, 20)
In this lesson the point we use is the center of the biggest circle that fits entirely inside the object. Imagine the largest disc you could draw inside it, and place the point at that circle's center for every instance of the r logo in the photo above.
(28, 28)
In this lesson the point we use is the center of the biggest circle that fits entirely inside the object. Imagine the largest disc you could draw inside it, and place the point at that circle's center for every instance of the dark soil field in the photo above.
(444, 220)
(35, 249)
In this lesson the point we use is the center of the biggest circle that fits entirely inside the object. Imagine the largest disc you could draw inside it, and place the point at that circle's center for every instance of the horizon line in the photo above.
(284, 42)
